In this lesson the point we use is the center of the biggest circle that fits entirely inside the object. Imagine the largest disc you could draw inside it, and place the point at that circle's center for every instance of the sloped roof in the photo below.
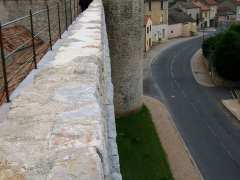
(15, 36)
(201, 5)
(146, 19)
(236, 2)
(211, 2)
(226, 8)
(186, 5)
(177, 16)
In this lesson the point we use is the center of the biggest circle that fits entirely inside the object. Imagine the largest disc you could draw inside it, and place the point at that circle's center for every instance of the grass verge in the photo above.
(141, 154)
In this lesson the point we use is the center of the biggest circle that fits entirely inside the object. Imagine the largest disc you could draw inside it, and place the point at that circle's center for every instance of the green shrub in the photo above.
(222, 52)
(235, 27)
(209, 46)
(226, 57)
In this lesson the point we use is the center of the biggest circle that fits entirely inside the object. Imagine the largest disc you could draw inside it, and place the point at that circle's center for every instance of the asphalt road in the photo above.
(210, 132)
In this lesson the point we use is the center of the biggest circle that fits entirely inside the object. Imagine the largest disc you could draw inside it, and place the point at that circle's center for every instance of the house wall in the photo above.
(158, 15)
(226, 20)
(175, 30)
(160, 32)
(181, 30)
(148, 35)
(238, 13)
(205, 19)
(213, 12)
(189, 29)
(194, 13)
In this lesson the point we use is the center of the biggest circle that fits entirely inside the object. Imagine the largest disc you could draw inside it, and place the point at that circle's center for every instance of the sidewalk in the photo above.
(200, 70)
(233, 106)
(201, 74)
(181, 163)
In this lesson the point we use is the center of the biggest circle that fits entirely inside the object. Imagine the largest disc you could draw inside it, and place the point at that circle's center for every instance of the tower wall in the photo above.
(126, 40)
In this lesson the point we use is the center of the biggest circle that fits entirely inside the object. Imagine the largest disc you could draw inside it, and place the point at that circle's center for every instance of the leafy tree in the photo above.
(209, 45)
(235, 27)
(226, 57)
(223, 53)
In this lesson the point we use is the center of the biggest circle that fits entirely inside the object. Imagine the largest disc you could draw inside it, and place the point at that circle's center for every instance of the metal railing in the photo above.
(70, 10)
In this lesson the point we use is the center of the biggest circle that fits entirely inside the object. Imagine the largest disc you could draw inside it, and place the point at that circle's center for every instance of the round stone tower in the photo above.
(126, 41)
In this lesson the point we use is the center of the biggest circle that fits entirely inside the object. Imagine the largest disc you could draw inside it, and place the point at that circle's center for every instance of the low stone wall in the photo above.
(61, 121)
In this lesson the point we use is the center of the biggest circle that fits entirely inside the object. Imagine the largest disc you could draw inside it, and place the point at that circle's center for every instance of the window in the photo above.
(147, 30)
(171, 31)
(161, 4)
(163, 33)
(150, 5)
(150, 28)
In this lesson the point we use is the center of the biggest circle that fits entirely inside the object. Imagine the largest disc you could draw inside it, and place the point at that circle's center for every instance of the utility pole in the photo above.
(203, 33)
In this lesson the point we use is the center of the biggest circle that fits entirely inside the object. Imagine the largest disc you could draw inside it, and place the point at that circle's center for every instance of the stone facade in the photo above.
(61, 121)
(125, 26)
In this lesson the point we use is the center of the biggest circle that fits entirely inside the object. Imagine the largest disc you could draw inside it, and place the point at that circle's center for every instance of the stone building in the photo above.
(125, 20)
(158, 10)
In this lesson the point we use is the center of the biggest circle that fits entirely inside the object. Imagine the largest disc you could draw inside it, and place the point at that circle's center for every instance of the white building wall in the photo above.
(160, 32)
(213, 12)
(238, 13)
(148, 35)
(175, 30)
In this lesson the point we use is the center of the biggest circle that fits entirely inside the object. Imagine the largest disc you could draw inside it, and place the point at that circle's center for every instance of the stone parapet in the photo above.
(61, 122)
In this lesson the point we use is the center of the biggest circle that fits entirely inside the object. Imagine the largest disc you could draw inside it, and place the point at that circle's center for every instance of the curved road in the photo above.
(211, 134)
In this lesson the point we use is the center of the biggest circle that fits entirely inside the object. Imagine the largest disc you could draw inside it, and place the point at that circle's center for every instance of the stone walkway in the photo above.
(181, 163)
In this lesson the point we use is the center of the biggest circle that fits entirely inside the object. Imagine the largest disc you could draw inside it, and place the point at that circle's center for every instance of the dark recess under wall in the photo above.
(84, 4)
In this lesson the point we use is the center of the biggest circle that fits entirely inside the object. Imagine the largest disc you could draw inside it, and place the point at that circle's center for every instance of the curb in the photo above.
(196, 71)
(231, 109)
(180, 171)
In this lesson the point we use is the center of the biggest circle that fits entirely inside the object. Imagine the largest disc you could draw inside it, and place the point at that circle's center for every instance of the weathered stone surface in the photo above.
(125, 30)
(61, 125)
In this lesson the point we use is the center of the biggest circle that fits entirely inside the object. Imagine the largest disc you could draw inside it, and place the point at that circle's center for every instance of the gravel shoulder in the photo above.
(182, 165)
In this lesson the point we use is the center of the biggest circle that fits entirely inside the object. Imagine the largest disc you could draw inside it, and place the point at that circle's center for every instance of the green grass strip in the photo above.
(141, 154)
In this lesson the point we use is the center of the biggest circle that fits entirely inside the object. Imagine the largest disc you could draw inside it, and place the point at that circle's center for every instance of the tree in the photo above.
(226, 57)
(223, 53)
